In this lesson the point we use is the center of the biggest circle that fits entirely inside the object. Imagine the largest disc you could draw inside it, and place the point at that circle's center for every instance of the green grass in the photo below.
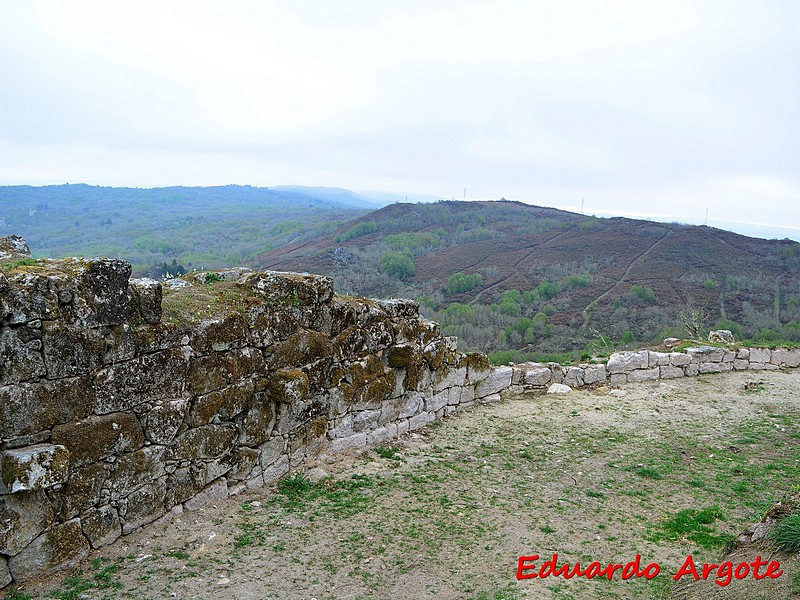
(694, 525)
(786, 533)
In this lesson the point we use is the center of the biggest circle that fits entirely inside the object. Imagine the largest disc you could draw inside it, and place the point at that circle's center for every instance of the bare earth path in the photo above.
(663, 471)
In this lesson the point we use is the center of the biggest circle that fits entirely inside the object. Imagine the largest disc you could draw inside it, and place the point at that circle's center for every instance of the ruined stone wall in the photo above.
(646, 365)
(112, 418)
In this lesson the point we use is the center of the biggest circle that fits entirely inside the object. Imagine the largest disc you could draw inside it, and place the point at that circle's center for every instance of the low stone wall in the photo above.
(646, 365)
(111, 418)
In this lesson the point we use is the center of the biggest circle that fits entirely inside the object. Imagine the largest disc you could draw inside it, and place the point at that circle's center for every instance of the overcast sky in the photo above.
(661, 109)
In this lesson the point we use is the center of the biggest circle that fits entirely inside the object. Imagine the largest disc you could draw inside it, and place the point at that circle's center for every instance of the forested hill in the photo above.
(196, 227)
(506, 275)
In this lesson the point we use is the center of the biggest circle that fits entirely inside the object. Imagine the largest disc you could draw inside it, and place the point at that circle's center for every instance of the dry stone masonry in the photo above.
(646, 365)
(112, 417)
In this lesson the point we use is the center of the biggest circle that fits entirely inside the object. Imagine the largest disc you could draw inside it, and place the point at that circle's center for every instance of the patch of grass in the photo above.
(786, 533)
(648, 473)
(176, 553)
(14, 265)
(547, 529)
(340, 497)
(794, 586)
(694, 525)
(593, 494)
(388, 452)
(16, 595)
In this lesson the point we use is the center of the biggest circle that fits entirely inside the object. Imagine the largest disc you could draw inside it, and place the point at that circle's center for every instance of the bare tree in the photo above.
(694, 320)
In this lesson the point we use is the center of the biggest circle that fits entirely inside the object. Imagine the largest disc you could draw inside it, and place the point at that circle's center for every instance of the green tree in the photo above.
(398, 264)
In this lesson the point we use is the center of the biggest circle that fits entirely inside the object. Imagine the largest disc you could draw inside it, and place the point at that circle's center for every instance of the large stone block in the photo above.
(671, 372)
(61, 547)
(146, 379)
(164, 419)
(258, 420)
(594, 374)
(220, 369)
(101, 526)
(20, 355)
(573, 377)
(207, 442)
(225, 403)
(95, 438)
(218, 335)
(36, 467)
(658, 359)
(624, 362)
(71, 350)
(23, 517)
(643, 374)
(785, 358)
(679, 359)
(760, 355)
(81, 491)
(5, 574)
(143, 506)
(135, 469)
(145, 296)
(497, 381)
(538, 376)
(31, 407)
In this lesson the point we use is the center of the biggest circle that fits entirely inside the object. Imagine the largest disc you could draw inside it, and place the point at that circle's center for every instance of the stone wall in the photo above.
(646, 365)
(111, 417)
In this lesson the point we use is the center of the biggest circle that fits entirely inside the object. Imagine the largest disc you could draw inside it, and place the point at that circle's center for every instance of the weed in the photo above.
(212, 278)
(176, 553)
(648, 473)
(388, 452)
(786, 533)
(16, 595)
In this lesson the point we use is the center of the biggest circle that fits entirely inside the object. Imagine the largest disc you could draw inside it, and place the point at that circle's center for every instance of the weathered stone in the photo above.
(402, 355)
(61, 547)
(624, 362)
(220, 369)
(136, 469)
(242, 462)
(301, 348)
(95, 438)
(740, 364)
(573, 377)
(33, 468)
(618, 378)
(679, 359)
(146, 299)
(400, 308)
(594, 374)
(287, 386)
(643, 374)
(785, 358)
(144, 506)
(691, 370)
(13, 247)
(706, 354)
(81, 491)
(445, 378)
(30, 407)
(276, 470)
(20, 356)
(760, 355)
(559, 388)
(671, 372)
(658, 359)
(721, 336)
(209, 441)
(497, 381)
(381, 435)
(5, 574)
(711, 367)
(743, 354)
(145, 379)
(101, 526)
(258, 421)
(164, 419)
(225, 403)
(70, 350)
(218, 335)
(538, 376)
(102, 296)
(420, 420)
(216, 492)
(23, 517)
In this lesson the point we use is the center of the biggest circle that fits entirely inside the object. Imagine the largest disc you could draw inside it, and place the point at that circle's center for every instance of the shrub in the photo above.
(575, 281)
(357, 230)
(546, 290)
(398, 264)
(786, 534)
(460, 282)
(642, 294)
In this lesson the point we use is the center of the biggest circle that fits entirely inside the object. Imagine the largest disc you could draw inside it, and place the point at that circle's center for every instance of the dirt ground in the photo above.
(662, 470)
